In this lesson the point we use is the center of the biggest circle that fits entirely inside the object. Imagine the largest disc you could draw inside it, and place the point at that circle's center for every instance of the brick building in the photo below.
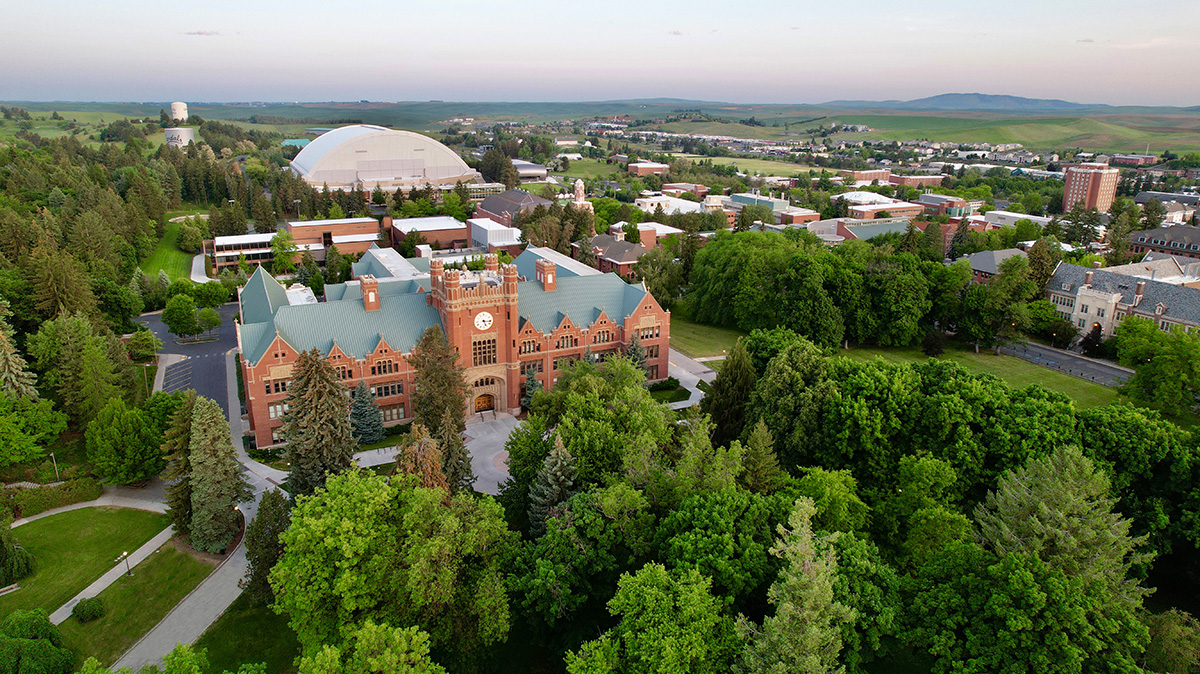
(934, 180)
(351, 236)
(882, 175)
(505, 206)
(532, 316)
(1181, 240)
(1092, 185)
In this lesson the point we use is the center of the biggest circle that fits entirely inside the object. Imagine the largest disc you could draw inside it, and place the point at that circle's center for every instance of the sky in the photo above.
(769, 51)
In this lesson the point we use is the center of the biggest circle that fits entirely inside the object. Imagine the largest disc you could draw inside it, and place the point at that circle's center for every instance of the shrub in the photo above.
(668, 384)
(27, 502)
(88, 610)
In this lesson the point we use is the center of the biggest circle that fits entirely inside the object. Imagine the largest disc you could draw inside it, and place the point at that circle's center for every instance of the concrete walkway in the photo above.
(690, 372)
(1074, 364)
(485, 444)
(119, 569)
(149, 498)
(198, 275)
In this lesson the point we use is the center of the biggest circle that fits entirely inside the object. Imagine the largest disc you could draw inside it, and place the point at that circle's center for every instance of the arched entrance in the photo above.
(485, 403)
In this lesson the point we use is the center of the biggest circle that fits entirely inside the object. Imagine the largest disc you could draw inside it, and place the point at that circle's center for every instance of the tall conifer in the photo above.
(217, 482)
(366, 421)
(316, 425)
(177, 447)
(554, 484)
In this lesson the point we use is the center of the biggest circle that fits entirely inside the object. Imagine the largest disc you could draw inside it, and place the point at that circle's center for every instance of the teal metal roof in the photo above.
(579, 297)
(261, 297)
(564, 266)
(353, 291)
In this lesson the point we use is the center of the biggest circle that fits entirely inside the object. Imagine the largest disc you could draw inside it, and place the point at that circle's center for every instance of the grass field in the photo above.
(699, 341)
(591, 168)
(762, 166)
(250, 634)
(73, 549)
(167, 256)
(1014, 371)
(135, 604)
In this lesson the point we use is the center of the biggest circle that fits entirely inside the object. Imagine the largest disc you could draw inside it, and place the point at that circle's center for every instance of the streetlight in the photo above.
(128, 569)
(55, 465)
(297, 202)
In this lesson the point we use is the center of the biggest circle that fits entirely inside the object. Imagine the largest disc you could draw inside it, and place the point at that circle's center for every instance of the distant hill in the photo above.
(973, 102)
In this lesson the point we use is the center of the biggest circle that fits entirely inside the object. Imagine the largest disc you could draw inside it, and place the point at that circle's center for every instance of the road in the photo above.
(203, 369)
(1099, 371)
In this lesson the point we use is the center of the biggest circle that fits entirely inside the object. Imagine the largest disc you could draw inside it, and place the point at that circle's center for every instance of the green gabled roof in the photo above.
(256, 338)
(400, 320)
(581, 298)
(261, 297)
(353, 291)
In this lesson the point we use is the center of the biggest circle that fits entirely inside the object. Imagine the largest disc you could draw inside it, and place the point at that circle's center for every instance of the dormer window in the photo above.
(1159, 309)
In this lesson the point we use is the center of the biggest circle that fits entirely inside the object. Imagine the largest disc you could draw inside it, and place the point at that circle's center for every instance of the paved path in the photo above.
(149, 498)
(1090, 369)
(485, 443)
(119, 569)
(198, 275)
(690, 373)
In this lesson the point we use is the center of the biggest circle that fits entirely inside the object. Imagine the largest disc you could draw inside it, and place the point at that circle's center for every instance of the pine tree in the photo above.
(635, 353)
(532, 386)
(365, 418)
(456, 460)
(263, 548)
(804, 636)
(729, 394)
(551, 487)
(422, 457)
(760, 467)
(316, 425)
(61, 285)
(1041, 263)
(217, 482)
(15, 378)
(177, 446)
(958, 244)
(439, 382)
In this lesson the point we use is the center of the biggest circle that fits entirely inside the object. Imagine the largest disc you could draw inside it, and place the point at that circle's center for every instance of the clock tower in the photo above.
(479, 315)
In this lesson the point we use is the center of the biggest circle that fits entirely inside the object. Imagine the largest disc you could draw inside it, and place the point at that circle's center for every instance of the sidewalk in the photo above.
(149, 498)
(690, 372)
(198, 275)
(135, 558)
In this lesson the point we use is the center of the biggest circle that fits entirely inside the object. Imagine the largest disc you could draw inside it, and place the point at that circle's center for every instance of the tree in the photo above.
(933, 244)
(180, 316)
(667, 624)
(438, 384)
(760, 468)
(456, 460)
(1166, 364)
(283, 252)
(553, 486)
(27, 426)
(177, 448)
(263, 547)
(532, 386)
(75, 365)
(421, 457)
(1174, 646)
(15, 378)
(61, 285)
(729, 394)
(366, 421)
(121, 444)
(658, 269)
(446, 558)
(316, 426)
(33, 644)
(834, 493)
(1153, 214)
(805, 633)
(493, 166)
(635, 353)
(1042, 262)
(15, 562)
(143, 345)
(375, 649)
(207, 319)
(217, 481)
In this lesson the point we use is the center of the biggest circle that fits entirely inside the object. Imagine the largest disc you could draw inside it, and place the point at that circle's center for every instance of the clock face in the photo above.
(483, 320)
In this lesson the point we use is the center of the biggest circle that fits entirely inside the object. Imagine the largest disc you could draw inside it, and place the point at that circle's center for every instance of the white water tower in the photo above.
(179, 136)
(179, 112)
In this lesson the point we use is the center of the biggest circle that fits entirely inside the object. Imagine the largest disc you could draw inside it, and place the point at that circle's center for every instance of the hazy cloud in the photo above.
(1086, 40)
(676, 32)
(203, 33)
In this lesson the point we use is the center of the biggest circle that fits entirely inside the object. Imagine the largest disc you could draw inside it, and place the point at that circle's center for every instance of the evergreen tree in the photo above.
(532, 386)
(804, 635)
(121, 444)
(61, 285)
(958, 245)
(422, 457)
(316, 426)
(15, 378)
(366, 421)
(728, 395)
(263, 548)
(217, 482)
(438, 384)
(455, 457)
(932, 243)
(75, 365)
(760, 467)
(177, 447)
(1042, 262)
(635, 353)
(552, 486)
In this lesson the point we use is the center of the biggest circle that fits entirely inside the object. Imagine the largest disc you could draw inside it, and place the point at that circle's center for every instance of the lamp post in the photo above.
(128, 569)
(297, 202)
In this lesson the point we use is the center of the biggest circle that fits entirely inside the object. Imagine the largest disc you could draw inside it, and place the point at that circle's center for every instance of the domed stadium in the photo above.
(368, 156)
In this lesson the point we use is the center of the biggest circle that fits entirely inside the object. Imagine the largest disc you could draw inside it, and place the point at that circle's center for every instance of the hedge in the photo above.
(27, 502)
(88, 610)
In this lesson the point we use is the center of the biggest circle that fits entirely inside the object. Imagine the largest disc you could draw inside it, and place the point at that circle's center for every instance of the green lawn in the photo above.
(73, 549)
(699, 341)
(167, 255)
(591, 168)
(767, 167)
(135, 604)
(250, 634)
(1016, 372)
(671, 396)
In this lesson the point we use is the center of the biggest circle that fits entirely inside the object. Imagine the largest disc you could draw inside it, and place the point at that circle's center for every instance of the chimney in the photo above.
(491, 262)
(370, 292)
(386, 224)
(1141, 286)
(544, 270)
(1087, 278)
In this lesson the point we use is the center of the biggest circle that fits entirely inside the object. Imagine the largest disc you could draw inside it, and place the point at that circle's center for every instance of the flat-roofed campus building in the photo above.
(351, 236)
(535, 316)
(1091, 185)
(368, 156)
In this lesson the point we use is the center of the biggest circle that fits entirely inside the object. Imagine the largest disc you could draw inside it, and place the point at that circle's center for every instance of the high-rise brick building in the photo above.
(1092, 185)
